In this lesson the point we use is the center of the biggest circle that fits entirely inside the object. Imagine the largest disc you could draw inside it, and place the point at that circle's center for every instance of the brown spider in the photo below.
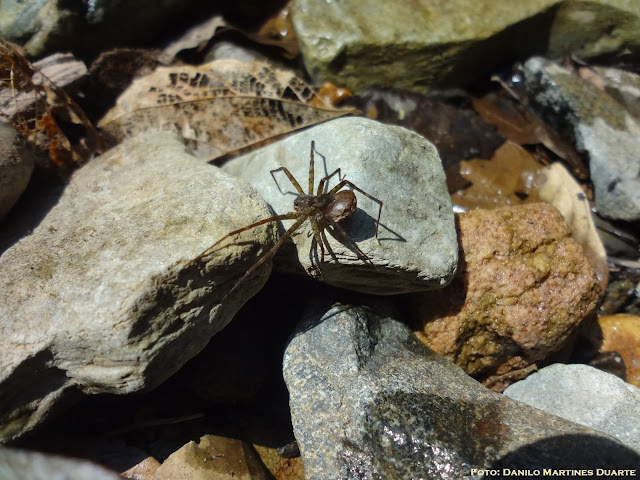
(323, 210)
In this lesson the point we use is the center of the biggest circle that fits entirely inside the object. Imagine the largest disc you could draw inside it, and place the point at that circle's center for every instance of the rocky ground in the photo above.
(183, 296)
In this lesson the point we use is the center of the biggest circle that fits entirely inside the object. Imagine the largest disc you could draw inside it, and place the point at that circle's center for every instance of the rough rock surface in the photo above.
(415, 45)
(597, 28)
(601, 129)
(22, 464)
(424, 44)
(584, 395)
(16, 166)
(417, 247)
(104, 295)
(623, 86)
(369, 401)
(522, 287)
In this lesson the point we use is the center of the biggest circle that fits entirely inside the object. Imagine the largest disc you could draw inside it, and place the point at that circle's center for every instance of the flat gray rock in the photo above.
(601, 129)
(417, 247)
(584, 395)
(369, 401)
(105, 295)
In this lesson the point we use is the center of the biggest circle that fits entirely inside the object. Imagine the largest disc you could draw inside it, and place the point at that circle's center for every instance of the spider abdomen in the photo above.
(343, 205)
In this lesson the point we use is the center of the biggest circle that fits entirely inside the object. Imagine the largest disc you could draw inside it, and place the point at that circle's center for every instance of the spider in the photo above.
(324, 210)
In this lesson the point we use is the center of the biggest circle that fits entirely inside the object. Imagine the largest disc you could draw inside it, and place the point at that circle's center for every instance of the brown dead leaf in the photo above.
(218, 107)
(196, 37)
(331, 94)
(143, 470)
(278, 31)
(516, 123)
(557, 186)
(506, 179)
(41, 111)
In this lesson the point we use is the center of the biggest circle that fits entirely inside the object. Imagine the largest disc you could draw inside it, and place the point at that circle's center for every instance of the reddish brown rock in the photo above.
(523, 286)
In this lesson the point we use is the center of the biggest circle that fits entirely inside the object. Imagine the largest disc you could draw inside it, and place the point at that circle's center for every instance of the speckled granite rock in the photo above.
(396, 166)
(369, 401)
(601, 129)
(104, 295)
(523, 286)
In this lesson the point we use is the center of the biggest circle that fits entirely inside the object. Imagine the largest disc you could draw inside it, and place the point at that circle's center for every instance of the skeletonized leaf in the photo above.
(219, 107)
(41, 111)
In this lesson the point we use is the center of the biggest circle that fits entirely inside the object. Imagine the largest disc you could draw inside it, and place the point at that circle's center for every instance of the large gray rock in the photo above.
(369, 401)
(601, 129)
(424, 44)
(417, 247)
(105, 295)
(412, 45)
(584, 395)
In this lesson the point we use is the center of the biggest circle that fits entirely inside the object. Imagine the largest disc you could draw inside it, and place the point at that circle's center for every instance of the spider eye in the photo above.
(343, 206)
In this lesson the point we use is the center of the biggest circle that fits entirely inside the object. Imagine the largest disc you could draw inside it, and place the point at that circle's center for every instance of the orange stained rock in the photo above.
(522, 288)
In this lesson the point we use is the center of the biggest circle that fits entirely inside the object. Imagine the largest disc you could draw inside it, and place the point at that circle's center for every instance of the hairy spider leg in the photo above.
(291, 178)
(335, 227)
(271, 252)
(317, 231)
(347, 182)
(286, 216)
(311, 167)
(329, 249)
(324, 180)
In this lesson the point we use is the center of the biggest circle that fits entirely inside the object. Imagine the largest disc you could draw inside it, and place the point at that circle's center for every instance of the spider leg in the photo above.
(266, 256)
(355, 187)
(317, 239)
(286, 216)
(321, 239)
(337, 231)
(311, 167)
(291, 178)
(321, 185)
(326, 242)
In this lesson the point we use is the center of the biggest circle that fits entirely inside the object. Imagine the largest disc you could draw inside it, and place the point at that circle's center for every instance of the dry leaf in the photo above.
(278, 31)
(557, 186)
(218, 107)
(519, 125)
(196, 37)
(506, 179)
(331, 94)
(42, 112)
(143, 470)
